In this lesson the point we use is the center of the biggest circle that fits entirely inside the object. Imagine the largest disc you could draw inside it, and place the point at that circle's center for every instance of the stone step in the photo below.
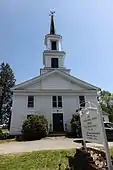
(56, 134)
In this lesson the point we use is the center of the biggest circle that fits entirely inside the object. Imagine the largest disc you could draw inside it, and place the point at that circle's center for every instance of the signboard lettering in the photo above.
(91, 126)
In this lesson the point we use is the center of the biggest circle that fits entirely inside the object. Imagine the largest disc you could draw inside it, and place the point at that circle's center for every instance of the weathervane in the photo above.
(52, 13)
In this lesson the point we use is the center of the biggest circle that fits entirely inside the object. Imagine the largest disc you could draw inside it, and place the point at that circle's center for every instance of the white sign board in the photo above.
(91, 126)
(93, 129)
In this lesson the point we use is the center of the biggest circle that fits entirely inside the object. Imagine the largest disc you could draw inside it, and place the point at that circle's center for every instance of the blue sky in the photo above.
(86, 27)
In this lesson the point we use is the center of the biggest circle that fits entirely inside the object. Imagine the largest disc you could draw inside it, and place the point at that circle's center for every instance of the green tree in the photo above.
(7, 80)
(106, 102)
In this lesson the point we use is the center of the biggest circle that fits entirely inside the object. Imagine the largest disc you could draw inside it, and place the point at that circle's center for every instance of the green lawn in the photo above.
(39, 160)
(7, 140)
(111, 151)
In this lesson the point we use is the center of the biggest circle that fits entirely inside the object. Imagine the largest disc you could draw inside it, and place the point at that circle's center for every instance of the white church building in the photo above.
(55, 93)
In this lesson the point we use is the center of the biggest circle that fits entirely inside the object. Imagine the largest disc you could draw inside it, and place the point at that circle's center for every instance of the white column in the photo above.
(59, 44)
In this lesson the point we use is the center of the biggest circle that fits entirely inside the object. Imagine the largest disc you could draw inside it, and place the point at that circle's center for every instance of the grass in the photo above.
(38, 160)
(7, 140)
(111, 151)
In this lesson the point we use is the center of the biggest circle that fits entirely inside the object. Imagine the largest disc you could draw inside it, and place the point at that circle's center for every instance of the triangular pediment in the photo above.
(55, 80)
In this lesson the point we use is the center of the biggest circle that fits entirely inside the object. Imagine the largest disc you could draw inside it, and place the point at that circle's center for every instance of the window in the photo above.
(54, 62)
(28, 116)
(54, 101)
(57, 101)
(82, 101)
(30, 101)
(53, 45)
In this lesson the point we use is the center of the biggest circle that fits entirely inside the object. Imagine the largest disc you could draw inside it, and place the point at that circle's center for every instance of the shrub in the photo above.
(1, 132)
(75, 126)
(3, 135)
(35, 127)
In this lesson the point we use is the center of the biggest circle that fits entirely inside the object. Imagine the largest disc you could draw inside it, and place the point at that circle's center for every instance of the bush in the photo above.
(35, 127)
(75, 126)
(1, 132)
(3, 135)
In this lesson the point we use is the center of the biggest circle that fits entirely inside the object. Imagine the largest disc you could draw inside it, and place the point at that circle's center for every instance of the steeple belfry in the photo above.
(53, 56)
(52, 25)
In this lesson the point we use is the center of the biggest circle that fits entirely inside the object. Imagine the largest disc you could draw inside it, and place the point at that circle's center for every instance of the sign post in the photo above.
(110, 167)
(93, 129)
(84, 143)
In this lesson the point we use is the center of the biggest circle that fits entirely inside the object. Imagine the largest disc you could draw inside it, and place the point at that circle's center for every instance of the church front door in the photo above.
(58, 122)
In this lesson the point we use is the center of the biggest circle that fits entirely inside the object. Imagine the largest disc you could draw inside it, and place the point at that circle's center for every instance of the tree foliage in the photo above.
(106, 103)
(75, 125)
(7, 80)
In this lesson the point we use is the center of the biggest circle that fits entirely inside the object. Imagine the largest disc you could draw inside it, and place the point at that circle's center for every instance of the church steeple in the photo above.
(53, 56)
(52, 25)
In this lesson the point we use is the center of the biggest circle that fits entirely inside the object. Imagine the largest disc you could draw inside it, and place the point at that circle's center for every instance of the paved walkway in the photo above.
(44, 144)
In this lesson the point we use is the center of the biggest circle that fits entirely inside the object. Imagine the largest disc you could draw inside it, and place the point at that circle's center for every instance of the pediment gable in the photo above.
(55, 80)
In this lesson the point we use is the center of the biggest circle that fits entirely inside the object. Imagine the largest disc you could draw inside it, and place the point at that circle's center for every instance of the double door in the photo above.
(58, 125)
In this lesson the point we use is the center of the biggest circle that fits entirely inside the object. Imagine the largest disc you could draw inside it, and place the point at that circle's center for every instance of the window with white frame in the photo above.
(53, 45)
(57, 101)
(30, 103)
(82, 101)
(28, 116)
(54, 63)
